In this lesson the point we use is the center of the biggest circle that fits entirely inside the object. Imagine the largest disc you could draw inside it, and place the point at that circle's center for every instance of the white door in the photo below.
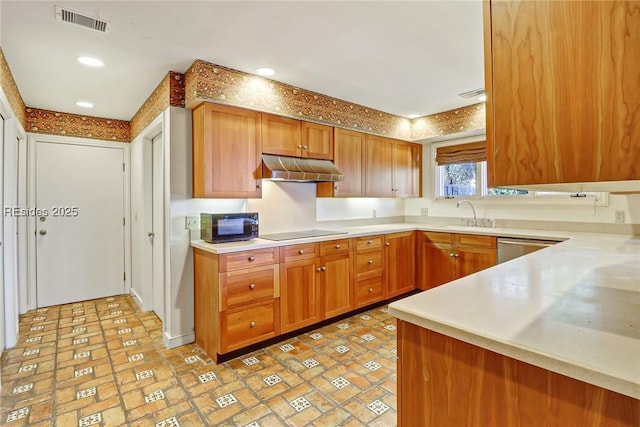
(157, 232)
(2, 314)
(80, 242)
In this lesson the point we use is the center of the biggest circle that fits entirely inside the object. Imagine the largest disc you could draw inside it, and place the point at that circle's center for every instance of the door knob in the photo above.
(43, 232)
(151, 234)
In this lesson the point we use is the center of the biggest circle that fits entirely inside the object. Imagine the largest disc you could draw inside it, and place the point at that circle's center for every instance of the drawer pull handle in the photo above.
(251, 258)
(252, 286)
(370, 261)
(301, 251)
(370, 290)
(369, 242)
(252, 324)
(337, 246)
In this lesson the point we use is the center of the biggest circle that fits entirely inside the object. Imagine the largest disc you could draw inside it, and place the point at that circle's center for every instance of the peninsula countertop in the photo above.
(573, 308)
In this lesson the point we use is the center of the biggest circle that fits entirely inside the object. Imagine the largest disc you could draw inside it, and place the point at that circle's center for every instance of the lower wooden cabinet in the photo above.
(400, 263)
(300, 293)
(369, 291)
(369, 270)
(336, 275)
(444, 257)
(242, 326)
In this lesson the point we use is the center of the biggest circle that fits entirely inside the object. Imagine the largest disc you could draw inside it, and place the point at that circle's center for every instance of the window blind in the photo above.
(463, 153)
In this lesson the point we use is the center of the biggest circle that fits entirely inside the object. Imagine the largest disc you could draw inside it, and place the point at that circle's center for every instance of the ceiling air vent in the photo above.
(66, 15)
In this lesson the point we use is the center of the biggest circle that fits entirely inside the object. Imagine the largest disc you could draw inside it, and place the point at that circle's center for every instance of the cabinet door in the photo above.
(473, 259)
(300, 298)
(406, 169)
(562, 80)
(349, 159)
(221, 133)
(317, 141)
(379, 167)
(281, 135)
(400, 263)
(438, 266)
(337, 285)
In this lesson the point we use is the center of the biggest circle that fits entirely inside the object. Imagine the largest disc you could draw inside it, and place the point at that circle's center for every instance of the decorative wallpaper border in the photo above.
(170, 92)
(66, 124)
(210, 82)
(458, 120)
(10, 89)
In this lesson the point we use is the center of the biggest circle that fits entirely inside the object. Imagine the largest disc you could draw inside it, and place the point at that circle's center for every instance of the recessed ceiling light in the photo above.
(89, 61)
(413, 116)
(264, 71)
(84, 104)
(482, 98)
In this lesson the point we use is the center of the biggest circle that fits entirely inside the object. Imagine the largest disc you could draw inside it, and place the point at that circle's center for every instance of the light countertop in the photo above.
(573, 308)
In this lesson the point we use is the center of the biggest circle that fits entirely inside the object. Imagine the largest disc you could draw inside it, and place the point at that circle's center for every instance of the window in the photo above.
(461, 172)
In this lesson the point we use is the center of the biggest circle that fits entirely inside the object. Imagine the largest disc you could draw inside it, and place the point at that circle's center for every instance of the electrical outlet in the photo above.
(424, 211)
(619, 216)
(192, 222)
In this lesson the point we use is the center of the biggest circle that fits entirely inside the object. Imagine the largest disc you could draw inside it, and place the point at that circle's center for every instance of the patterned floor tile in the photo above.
(102, 362)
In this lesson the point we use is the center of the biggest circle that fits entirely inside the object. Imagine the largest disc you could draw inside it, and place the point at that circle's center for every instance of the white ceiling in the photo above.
(399, 57)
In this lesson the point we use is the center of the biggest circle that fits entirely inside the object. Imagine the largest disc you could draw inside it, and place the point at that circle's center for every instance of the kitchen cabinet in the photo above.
(369, 270)
(300, 291)
(221, 133)
(317, 141)
(281, 135)
(336, 277)
(400, 253)
(349, 159)
(407, 162)
(444, 257)
(379, 167)
(236, 299)
(562, 85)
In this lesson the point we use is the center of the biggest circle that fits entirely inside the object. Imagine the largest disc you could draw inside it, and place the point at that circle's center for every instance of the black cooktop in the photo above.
(302, 234)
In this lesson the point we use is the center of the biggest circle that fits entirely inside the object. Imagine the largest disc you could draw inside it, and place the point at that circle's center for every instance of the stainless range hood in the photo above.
(282, 168)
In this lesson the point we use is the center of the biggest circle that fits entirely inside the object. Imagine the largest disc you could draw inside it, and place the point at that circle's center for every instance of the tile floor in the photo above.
(102, 362)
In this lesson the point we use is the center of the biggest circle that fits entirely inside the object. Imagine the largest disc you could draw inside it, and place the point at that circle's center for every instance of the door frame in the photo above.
(32, 139)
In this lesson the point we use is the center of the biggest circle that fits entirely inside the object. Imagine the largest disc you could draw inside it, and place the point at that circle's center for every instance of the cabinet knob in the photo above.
(369, 242)
(252, 286)
(251, 258)
(299, 145)
(370, 261)
(252, 324)
(335, 187)
(258, 185)
(323, 268)
(304, 147)
(318, 269)
(337, 246)
(452, 254)
(370, 290)
(301, 251)
(387, 244)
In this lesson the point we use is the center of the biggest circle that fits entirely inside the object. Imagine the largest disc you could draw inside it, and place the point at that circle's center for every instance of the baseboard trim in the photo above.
(177, 341)
(136, 298)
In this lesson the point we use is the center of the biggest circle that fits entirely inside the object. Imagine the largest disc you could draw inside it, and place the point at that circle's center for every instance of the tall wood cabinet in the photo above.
(562, 84)
(444, 257)
(348, 157)
(222, 132)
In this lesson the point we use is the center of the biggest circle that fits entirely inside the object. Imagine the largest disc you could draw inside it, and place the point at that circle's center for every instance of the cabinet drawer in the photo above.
(241, 327)
(436, 237)
(369, 290)
(247, 286)
(248, 259)
(333, 247)
(369, 242)
(368, 262)
(296, 252)
(475, 240)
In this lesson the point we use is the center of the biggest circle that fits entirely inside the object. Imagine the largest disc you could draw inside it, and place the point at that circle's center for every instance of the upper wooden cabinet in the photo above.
(562, 79)
(295, 138)
(349, 159)
(379, 166)
(222, 132)
(407, 161)
(317, 141)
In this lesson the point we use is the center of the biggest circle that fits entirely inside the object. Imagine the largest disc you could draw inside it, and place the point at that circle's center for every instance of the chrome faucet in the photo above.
(475, 220)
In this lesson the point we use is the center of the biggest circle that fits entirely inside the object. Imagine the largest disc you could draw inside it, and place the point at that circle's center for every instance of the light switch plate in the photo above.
(619, 216)
(192, 222)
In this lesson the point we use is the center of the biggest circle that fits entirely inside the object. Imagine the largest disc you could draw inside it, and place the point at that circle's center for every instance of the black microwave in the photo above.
(229, 227)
